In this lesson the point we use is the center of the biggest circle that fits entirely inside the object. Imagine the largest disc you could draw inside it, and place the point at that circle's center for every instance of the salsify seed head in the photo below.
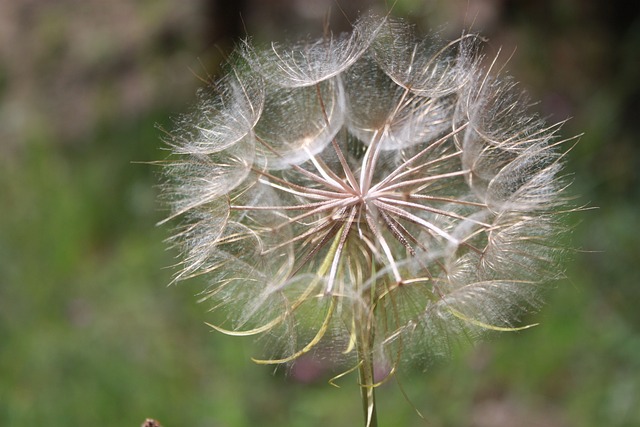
(370, 184)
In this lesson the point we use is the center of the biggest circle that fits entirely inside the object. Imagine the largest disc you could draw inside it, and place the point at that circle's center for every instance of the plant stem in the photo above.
(367, 390)
(364, 342)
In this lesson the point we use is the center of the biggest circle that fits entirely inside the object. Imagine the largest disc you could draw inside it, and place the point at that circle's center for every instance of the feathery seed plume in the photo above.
(372, 193)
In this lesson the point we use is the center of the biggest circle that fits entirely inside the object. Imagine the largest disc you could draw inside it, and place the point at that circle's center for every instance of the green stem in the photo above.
(364, 342)
(367, 390)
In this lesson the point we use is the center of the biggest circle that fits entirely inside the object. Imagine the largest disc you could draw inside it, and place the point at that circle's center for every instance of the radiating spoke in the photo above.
(417, 220)
(438, 199)
(329, 183)
(417, 170)
(346, 229)
(326, 238)
(398, 231)
(329, 206)
(383, 243)
(301, 207)
(402, 167)
(343, 162)
(424, 180)
(299, 190)
(429, 209)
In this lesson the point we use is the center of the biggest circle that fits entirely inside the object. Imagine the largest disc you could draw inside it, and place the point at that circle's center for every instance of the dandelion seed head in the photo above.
(369, 183)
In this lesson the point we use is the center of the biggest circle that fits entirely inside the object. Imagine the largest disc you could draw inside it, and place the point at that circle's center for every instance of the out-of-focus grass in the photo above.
(90, 333)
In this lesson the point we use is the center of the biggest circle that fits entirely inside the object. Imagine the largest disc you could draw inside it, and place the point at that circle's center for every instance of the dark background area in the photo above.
(90, 333)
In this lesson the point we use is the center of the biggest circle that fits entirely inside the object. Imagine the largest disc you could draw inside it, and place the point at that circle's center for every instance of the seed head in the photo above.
(370, 183)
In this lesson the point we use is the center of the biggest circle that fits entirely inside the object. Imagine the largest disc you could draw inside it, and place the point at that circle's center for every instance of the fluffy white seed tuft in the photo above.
(370, 183)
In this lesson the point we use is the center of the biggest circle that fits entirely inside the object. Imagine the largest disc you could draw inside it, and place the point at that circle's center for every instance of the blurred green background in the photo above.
(90, 333)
